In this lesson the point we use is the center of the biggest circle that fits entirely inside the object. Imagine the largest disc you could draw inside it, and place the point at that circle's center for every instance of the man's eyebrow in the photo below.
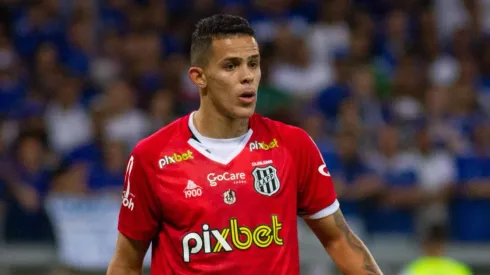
(238, 59)
(233, 59)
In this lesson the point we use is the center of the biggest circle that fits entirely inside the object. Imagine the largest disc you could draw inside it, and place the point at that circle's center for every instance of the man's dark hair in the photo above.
(215, 27)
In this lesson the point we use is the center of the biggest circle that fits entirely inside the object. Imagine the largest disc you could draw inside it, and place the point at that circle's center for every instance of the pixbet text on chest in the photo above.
(263, 145)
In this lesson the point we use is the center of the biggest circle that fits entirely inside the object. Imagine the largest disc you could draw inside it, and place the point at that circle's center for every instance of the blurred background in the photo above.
(395, 93)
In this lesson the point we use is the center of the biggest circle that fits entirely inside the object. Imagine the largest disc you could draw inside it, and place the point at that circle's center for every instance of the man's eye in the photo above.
(253, 64)
(229, 67)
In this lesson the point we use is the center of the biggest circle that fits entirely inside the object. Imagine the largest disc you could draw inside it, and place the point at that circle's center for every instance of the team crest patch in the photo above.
(229, 197)
(266, 181)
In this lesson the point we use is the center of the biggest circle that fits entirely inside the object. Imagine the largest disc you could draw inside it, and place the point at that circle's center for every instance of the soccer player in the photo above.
(218, 191)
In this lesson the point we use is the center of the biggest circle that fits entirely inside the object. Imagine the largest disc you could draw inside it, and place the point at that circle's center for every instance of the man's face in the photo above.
(233, 75)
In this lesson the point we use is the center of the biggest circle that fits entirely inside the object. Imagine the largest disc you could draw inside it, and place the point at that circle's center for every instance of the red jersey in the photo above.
(209, 215)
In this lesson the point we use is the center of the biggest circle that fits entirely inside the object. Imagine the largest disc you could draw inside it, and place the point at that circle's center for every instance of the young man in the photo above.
(218, 191)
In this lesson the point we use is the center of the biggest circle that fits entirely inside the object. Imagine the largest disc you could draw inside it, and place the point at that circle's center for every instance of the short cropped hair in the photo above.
(215, 27)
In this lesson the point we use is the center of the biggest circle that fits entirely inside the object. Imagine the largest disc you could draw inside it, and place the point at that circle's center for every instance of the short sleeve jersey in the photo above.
(209, 215)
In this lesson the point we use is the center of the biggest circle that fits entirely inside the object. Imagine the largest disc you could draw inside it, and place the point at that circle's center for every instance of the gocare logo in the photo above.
(174, 158)
(262, 145)
(231, 238)
(226, 176)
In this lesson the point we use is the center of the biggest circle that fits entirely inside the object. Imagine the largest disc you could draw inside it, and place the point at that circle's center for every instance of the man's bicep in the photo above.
(129, 253)
(329, 228)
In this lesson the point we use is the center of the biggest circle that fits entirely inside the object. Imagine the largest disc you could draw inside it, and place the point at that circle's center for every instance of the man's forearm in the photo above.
(349, 253)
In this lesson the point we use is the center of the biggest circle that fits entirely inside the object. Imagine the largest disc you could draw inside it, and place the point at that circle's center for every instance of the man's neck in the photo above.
(214, 125)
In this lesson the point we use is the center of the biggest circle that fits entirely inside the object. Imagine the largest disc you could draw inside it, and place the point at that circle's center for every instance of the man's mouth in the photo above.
(247, 97)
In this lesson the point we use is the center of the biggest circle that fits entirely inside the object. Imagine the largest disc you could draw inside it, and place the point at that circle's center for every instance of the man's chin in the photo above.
(244, 112)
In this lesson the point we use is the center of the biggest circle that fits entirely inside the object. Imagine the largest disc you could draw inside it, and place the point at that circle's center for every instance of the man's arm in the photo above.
(139, 217)
(129, 256)
(317, 202)
(348, 252)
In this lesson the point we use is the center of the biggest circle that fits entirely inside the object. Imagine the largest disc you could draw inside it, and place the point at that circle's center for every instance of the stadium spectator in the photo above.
(434, 258)
(394, 210)
(27, 182)
(356, 183)
(472, 199)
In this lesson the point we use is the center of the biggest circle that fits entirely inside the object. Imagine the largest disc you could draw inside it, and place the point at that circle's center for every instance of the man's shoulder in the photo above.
(161, 139)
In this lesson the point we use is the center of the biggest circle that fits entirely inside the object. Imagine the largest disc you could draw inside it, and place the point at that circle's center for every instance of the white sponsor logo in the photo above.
(192, 190)
(126, 200)
(322, 170)
(226, 176)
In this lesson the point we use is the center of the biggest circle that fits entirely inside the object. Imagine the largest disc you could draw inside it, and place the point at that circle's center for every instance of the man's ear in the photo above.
(196, 74)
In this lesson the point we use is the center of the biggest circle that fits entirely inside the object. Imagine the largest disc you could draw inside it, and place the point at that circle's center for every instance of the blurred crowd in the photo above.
(395, 93)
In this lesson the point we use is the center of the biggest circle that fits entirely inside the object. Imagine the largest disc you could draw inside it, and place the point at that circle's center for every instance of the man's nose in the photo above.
(248, 76)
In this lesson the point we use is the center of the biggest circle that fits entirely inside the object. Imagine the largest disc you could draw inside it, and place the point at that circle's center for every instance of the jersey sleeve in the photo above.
(316, 193)
(139, 215)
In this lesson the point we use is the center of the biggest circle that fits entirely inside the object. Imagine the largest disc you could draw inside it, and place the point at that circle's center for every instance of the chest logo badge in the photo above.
(266, 181)
(229, 197)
